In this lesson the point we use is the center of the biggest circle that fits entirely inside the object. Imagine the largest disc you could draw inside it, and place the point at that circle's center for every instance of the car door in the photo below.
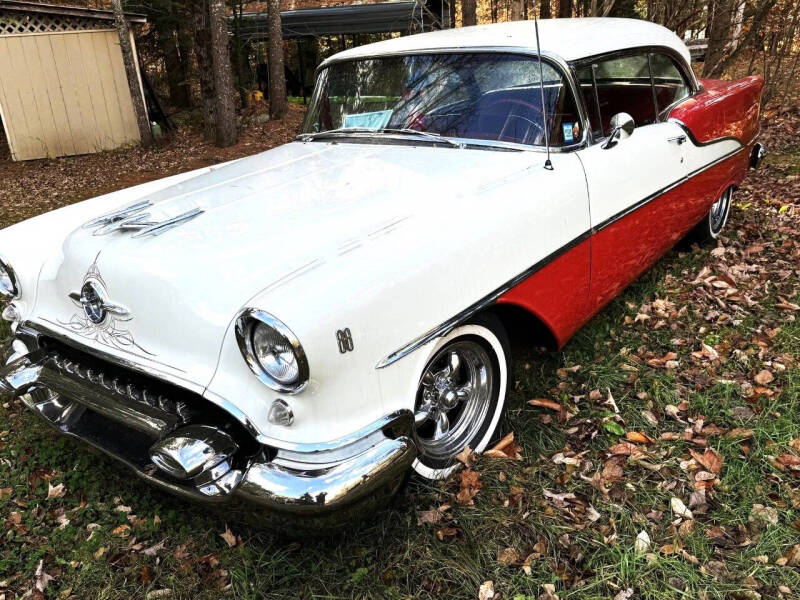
(632, 181)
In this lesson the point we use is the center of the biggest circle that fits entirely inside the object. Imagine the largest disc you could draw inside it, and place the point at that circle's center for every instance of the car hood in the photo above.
(266, 220)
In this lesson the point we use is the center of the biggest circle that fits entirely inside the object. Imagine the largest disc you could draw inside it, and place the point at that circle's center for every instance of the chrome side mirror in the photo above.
(622, 126)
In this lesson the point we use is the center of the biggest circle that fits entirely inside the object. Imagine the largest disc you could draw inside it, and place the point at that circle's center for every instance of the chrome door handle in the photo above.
(678, 139)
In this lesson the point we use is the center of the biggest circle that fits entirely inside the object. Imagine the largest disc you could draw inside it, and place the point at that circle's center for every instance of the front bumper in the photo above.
(147, 424)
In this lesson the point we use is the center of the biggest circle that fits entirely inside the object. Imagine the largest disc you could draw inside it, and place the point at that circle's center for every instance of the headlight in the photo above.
(8, 282)
(272, 351)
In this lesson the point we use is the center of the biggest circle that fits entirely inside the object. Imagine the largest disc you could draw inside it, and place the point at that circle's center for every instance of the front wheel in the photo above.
(711, 226)
(461, 395)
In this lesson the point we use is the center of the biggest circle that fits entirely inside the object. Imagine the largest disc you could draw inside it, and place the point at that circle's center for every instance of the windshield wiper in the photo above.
(434, 137)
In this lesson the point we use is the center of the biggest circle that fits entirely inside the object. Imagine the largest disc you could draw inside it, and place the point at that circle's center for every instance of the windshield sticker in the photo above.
(369, 120)
(567, 129)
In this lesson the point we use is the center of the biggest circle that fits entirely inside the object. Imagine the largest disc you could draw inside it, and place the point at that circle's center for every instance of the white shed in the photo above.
(63, 88)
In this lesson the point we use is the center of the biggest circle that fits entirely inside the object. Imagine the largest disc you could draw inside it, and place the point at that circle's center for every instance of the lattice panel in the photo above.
(14, 23)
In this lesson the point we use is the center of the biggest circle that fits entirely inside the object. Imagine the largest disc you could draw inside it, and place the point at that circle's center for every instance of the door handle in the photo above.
(678, 139)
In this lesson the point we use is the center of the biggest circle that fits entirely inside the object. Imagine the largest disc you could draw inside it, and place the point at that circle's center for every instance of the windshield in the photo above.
(485, 96)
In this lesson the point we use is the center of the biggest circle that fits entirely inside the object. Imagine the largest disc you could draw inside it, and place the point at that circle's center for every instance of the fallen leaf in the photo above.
(679, 508)
(710, 459)
(41, 579)
(154, 549)
(470, 484)
(122, 531)
(739, 433)
(230, 538)
(467, 457)
(506, 448)
(57, 491)
(763, 377)
(638, 437)
(486, 591)
(763, 516)
(508, 556)
(545, 403)
(642, 543)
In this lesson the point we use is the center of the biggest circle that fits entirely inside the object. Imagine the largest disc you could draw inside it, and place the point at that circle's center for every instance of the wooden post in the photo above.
(145, 133)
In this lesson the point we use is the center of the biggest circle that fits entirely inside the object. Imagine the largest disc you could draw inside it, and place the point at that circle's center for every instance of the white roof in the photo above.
(571, 39)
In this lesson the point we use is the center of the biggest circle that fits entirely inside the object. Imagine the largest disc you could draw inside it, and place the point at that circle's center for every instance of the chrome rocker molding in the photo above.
(202, 461)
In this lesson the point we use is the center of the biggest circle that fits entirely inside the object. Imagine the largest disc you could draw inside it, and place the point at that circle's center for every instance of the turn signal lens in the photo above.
(280, 413)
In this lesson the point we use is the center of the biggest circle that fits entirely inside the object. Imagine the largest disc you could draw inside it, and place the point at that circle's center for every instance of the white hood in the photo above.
(266, 220)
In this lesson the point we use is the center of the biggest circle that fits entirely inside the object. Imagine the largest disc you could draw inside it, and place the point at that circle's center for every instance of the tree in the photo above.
(202, 51)
(278, 105)
(469, 13)
(139, 110)
(544, 10)
(168, 44)
(564, 9)
(517, 10)
(224, 108)
(720, 20)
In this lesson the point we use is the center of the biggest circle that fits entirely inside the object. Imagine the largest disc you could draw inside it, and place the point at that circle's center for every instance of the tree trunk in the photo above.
(186, 51)
(202, 51)
(544, 10)
(224, 108)
(564, 9)
(278, 105)
(145, 133)
(168, 44)
(720, 16)
(469, 13)
(517, 8)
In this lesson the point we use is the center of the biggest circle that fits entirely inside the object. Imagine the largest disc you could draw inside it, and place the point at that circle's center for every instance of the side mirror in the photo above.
(622, 126)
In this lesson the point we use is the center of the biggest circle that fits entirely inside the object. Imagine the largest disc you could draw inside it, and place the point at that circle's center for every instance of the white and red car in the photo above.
(299, 328)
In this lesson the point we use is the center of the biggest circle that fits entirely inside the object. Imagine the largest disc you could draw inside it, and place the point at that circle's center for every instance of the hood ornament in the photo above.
(92, 298)
(135, 218)
(100, 319)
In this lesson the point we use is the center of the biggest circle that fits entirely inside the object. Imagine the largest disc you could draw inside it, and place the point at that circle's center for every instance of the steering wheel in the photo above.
(529, 124)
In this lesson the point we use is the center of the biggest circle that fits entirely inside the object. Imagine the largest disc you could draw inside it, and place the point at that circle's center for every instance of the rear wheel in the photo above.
(711, 226)
(461, 395)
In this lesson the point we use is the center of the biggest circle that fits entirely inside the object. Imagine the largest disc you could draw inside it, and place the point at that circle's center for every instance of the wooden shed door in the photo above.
(64, 93)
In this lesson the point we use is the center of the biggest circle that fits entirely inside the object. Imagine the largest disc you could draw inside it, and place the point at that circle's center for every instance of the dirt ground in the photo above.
(31, 187)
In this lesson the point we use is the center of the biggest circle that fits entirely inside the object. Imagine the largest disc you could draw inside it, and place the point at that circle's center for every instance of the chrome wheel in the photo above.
(719, 212)
(453, 399)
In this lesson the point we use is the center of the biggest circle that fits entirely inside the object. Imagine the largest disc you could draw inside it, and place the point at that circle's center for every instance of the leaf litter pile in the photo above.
(656, 456)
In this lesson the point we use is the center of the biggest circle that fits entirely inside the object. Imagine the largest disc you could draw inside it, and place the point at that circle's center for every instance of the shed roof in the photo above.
(69, 11)
(380, 17)
(571, 39)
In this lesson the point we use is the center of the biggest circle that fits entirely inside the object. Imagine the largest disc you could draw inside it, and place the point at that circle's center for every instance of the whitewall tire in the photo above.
(461, 395)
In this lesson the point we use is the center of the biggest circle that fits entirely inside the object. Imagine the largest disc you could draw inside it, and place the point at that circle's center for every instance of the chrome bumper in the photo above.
(128, 422)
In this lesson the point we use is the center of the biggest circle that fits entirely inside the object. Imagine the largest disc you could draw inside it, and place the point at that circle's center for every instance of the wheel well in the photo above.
(523, 327)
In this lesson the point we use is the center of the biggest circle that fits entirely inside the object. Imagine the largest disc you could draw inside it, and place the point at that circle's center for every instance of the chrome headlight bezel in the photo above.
(245, 325)
(13, 292)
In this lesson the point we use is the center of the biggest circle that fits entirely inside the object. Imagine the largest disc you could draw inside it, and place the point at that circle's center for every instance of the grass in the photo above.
(81, 539)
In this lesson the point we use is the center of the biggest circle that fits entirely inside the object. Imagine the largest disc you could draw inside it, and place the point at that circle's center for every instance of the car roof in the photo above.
(570, 39)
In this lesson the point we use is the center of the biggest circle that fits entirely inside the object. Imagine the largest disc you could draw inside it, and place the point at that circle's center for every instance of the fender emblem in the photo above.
(345, 340)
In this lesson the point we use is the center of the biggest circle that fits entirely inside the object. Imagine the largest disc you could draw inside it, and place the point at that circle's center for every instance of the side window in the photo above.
(670, 84)
(624, 85)
(585, 79)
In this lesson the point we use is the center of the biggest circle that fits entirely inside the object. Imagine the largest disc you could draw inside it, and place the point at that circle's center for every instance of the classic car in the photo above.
(296, 331)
